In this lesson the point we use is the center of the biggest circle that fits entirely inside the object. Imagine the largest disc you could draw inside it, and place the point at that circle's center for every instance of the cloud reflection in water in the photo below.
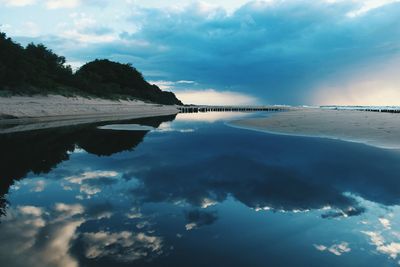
(118, 205)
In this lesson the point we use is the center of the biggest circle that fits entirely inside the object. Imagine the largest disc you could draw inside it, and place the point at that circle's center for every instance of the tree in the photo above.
(37, 69)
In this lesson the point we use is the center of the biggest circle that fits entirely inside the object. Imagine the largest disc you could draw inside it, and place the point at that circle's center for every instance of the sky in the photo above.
(295, 52)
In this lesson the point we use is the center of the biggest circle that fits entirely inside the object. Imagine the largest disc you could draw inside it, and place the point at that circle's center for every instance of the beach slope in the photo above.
(371, 128)
(23, 113)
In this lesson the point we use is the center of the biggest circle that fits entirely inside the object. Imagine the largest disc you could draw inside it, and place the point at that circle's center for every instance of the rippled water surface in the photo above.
(191, 191)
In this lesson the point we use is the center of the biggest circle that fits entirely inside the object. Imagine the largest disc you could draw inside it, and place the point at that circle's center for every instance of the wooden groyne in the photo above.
(366, 108)
(195, 109)
(381, 110)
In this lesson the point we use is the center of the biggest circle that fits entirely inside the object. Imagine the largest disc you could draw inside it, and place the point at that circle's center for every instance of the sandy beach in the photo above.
(371, 128)
(22, 113)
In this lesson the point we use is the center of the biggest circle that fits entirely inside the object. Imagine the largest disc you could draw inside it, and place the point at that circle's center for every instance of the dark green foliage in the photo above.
(104, 77)
(23, 69)
(35, 69)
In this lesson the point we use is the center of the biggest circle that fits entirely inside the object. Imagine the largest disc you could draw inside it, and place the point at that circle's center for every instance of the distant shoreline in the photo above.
(371, 128)
(24, 113)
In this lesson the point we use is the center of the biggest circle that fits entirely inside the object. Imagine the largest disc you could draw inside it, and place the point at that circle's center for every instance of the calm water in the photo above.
(195, 192)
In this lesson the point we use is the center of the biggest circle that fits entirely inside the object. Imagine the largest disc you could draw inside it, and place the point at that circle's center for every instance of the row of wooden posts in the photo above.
(381, 110)
(195, 109)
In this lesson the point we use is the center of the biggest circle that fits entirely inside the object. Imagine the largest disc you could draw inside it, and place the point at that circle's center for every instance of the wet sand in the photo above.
(20, 113)
(371, 128)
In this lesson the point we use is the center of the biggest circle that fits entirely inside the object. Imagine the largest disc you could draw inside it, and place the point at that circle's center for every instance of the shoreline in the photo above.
(380, 130)
(23, 113)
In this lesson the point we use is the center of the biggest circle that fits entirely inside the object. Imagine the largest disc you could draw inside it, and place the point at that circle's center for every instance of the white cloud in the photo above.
(36, 237)
(168, 127)
(89, 190)
(89, 175)
(320, 247)
(385, 223)
(134, 213)
(55, 4)
(190, 226)
(122, 246)
(84, 178)
(39, 186)
(336, 249)
(266, 208)
(204, 97)
(5, 27)
(213, 97)
(18, 3)
(163, 85)
(390, 248)
(206, 202)
(69, 210)
(27, 237)
(168, 85)
(185, 82)
(31, 210)
(30, 28)
(367, 5)
(86, 29)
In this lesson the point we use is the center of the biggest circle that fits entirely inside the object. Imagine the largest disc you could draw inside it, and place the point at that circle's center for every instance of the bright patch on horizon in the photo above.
(214, 97)
(377, 85)
(211, 116)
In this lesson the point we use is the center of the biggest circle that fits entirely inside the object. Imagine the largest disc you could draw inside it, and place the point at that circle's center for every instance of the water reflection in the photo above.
(39, 151)
(43, 237)
(264, 173)
(193, 192)
(197, 218)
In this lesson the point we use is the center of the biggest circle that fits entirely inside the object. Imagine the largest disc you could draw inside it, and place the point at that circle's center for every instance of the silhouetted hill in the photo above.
(104, 77)
(35, 69)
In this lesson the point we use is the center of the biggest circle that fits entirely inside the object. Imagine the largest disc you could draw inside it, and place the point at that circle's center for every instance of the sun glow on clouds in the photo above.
(377, 85)
(367, 93)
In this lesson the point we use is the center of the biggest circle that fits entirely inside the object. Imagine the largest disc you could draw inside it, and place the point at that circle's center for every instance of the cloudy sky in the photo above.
(230, 51)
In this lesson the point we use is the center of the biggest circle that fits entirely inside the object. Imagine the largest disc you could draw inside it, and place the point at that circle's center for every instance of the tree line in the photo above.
(35, 69)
